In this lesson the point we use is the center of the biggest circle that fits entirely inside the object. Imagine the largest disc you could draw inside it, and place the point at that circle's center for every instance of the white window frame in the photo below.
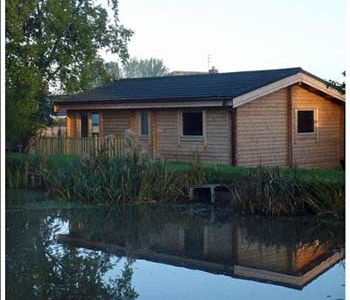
(315, 111)
(99, 123)
(203, 135)
(148, 124)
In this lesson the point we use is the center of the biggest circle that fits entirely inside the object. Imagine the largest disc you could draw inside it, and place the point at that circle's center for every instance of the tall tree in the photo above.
(114, 70)
(54, 43)
(144, 68)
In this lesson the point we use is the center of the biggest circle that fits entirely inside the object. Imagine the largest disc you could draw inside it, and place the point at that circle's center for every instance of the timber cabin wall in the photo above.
(265, 134)
(263, 130)
(71, 124)
(325, 148)
(115, 122)
(165, 140)
(214, 147)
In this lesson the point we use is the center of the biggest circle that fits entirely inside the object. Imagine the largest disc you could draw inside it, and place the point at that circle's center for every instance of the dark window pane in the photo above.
(144, 123)
(192, 123)
(84, 124)
(305, 121)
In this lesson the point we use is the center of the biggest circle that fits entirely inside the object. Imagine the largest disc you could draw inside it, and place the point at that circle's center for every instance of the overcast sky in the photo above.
(239, 34)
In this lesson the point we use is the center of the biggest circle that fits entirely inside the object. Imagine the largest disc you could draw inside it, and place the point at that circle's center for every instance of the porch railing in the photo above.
(92, 146)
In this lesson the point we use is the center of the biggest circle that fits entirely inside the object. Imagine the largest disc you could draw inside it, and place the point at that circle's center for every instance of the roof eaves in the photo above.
(144, 100)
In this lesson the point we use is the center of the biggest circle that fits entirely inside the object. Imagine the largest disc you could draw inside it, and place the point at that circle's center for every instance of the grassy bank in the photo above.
(266, 191)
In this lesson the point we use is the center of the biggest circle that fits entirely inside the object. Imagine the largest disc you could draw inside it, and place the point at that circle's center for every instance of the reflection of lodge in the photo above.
(223, 249)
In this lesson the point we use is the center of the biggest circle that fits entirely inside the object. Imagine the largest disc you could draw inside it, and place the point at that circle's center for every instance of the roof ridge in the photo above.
(206, 74)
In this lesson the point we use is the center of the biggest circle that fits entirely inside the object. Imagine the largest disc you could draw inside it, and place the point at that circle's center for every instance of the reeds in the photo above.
(115, 181)
(110, 181)
(268, 191)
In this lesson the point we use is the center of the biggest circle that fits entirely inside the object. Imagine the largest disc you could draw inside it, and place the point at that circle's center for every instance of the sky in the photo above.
(239, 34)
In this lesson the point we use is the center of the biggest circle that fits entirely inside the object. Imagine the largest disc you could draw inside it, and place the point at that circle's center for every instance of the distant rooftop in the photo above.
(178, 73)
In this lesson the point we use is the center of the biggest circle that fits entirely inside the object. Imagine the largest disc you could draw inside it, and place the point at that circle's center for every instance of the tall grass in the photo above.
(115, 181)
(261, 190)
(269, 191)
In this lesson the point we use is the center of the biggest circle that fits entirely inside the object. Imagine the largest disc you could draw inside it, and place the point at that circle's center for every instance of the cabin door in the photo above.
(84, 119)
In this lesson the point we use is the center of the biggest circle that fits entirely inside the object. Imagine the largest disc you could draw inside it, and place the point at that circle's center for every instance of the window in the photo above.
(192, 123)
(95, 121)
(306, 121)
(144, 123)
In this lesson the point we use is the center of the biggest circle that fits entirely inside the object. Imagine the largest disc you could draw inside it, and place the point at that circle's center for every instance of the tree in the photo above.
(114, 70)
(339, 86)
(133, 68)
(54, 44)
(144, 68)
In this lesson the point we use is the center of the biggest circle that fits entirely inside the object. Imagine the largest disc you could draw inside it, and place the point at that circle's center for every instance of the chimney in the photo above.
(213, 70)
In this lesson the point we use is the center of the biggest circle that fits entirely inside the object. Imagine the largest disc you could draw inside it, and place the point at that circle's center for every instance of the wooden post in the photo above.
(133, 121)
(233, 113)
(205, 137)
(212, 194)
(179, 127)
(101, 124)
(154, 135)
(289, 128)
(191, 193)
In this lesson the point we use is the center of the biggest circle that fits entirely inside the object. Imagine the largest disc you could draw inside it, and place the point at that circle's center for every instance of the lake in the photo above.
(58, 250)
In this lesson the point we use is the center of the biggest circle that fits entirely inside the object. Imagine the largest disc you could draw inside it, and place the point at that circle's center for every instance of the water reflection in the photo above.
(37, 269)
(70, 254)
(286, 252)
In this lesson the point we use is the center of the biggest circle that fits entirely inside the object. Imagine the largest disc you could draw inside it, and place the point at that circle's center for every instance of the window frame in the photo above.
(187, 136)
(148, 124)
(315, 120)
(92, 124)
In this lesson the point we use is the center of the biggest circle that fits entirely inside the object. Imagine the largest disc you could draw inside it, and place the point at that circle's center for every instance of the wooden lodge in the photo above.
(283, 117)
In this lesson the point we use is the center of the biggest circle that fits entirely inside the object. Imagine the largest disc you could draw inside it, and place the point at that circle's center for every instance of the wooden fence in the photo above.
(112, 147)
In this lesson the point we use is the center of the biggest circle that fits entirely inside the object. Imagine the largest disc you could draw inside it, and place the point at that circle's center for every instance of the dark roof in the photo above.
(208, 86)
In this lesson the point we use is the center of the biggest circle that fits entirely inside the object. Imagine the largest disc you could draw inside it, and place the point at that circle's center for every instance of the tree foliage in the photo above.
(114, 70)
(148, 67)
(339, 86)
(53, 43)
(144, 68)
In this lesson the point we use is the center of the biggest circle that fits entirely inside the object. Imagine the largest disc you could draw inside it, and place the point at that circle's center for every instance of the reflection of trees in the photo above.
(130, 226)
(37, 268)
(135, 226)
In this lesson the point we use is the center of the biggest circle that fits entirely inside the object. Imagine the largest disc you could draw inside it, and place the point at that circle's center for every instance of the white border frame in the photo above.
(314, 133)
(144, 136)
(3, 152)
(194, 137)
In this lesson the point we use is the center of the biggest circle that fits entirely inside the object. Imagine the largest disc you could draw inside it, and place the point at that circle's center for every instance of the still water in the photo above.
(60, 251)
